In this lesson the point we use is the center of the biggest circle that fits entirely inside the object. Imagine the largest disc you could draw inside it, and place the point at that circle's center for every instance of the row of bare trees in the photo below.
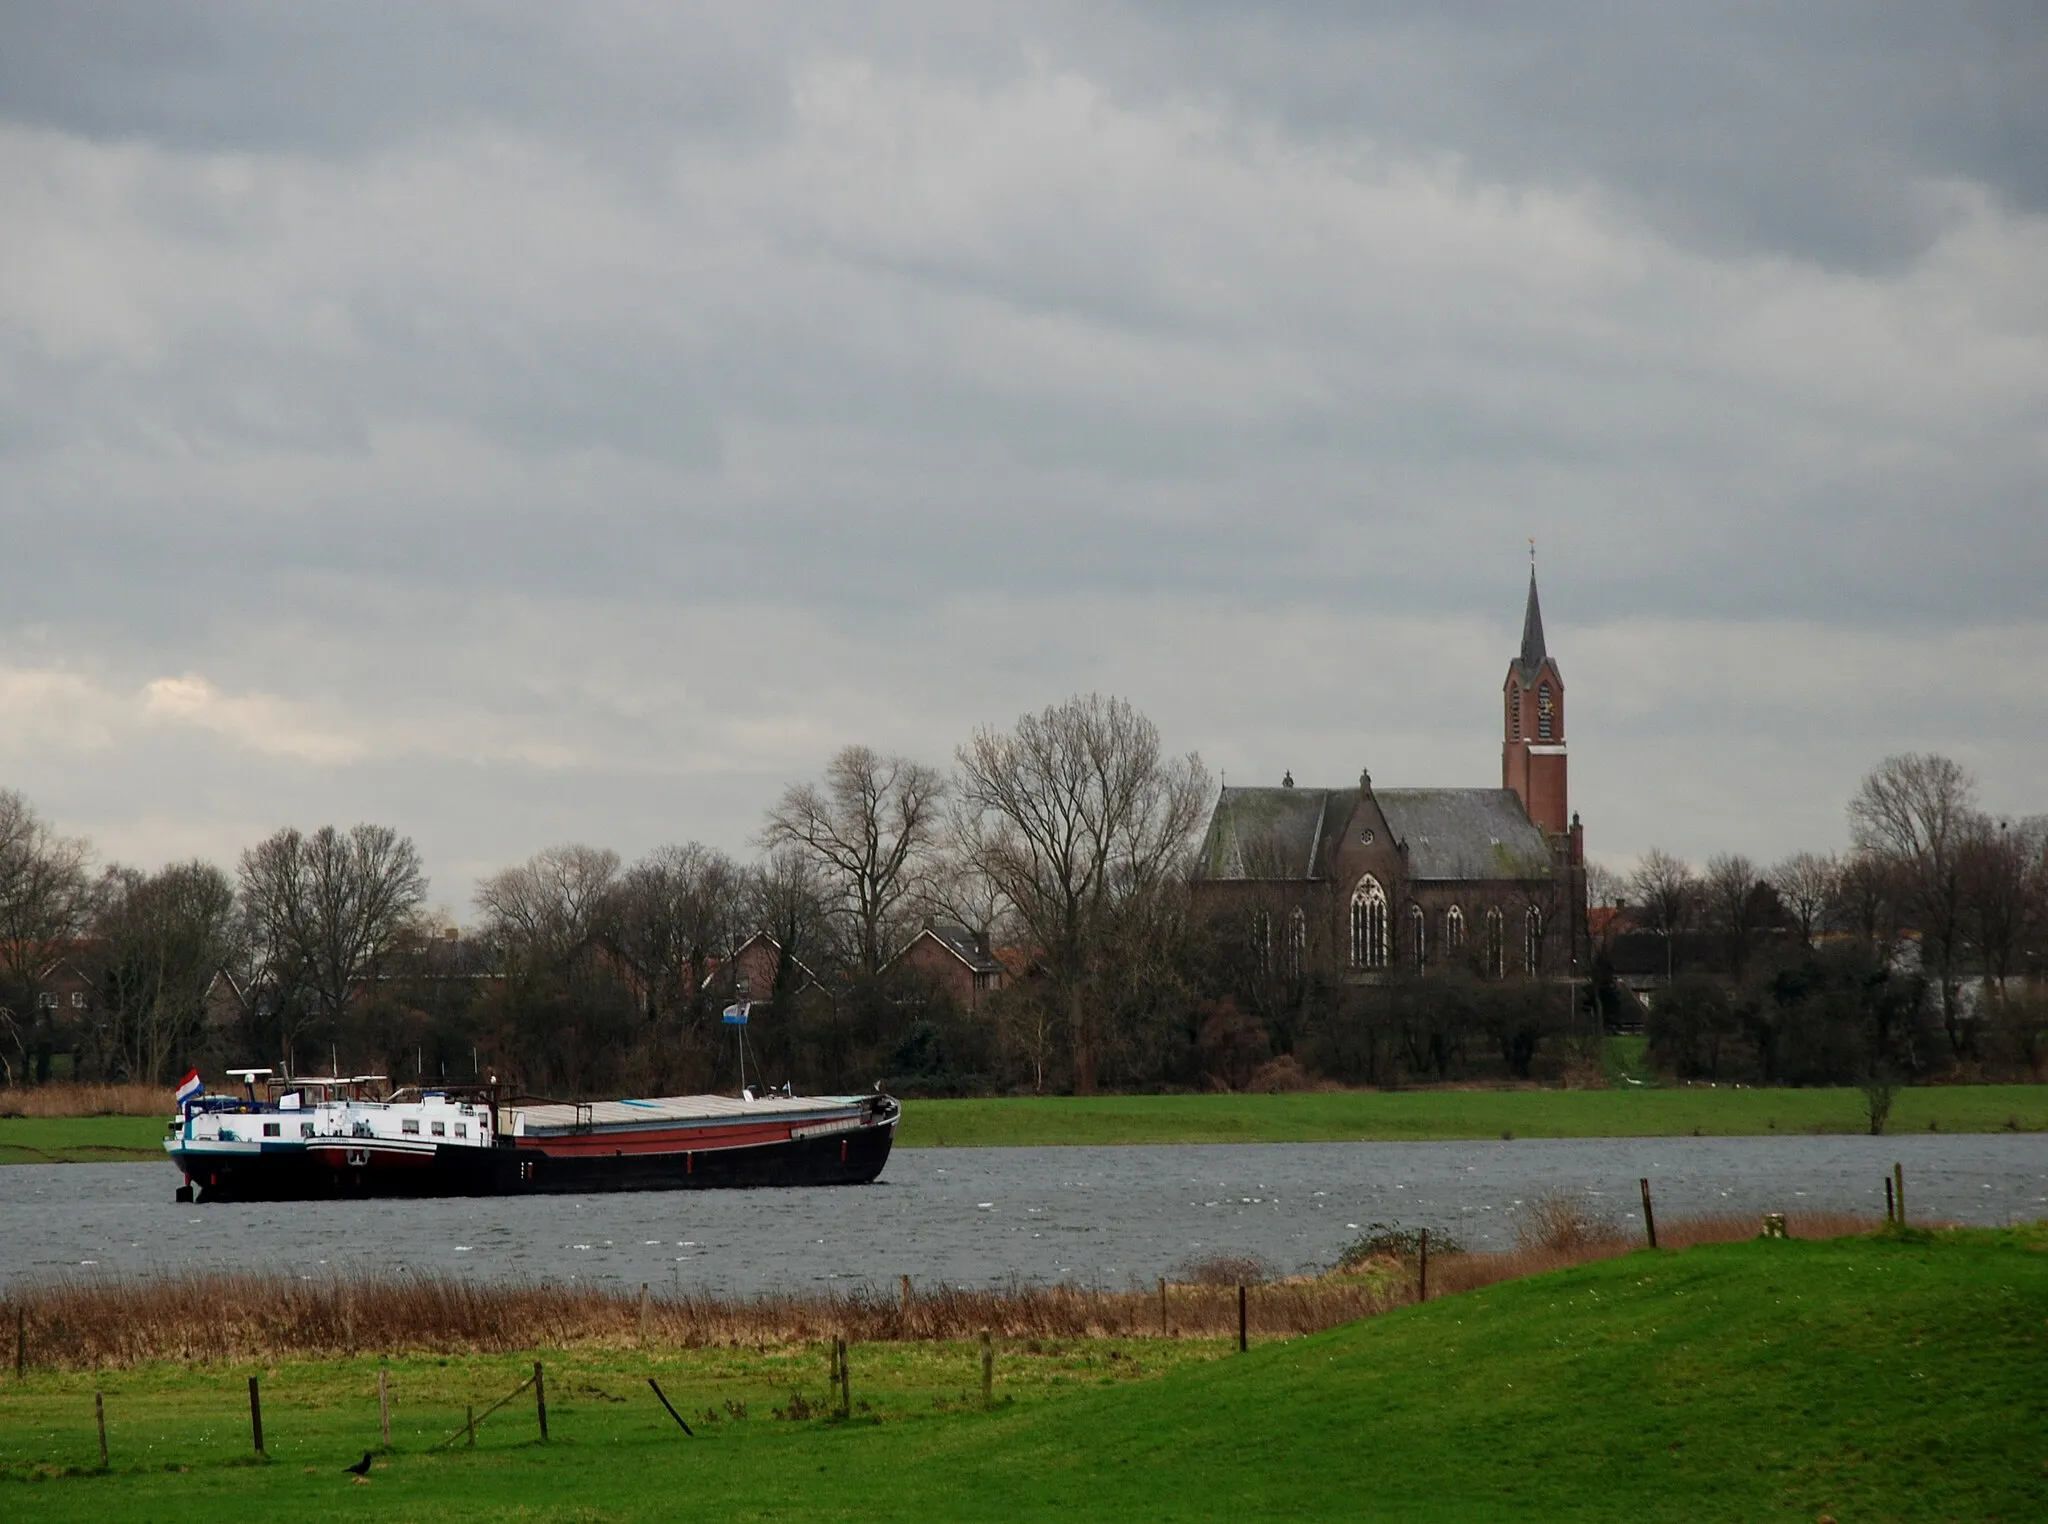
(305, 921)
(1068, 833)
(1940, 896)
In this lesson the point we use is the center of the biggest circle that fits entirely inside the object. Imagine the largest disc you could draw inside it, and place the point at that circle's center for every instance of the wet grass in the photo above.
(1885, 1376)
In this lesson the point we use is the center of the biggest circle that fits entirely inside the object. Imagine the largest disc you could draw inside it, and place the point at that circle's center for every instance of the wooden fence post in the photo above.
(99, 1411)
(1422, 1269)
(1242, 1343)
(1162, 1306)
(540, 1401)
(384, 1404)
(1890, 1209)
(469, 1422)
(1649, 1215)
(845, 1383)
(644, 1308)
(21, 1344)
(1899, 1185)
(256, 1415)
(988, 1369)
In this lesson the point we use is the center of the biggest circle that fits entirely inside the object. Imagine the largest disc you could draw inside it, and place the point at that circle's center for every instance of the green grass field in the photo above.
(1419, 1115)
(80, 1140)
(1309, 1117)
(1872, 1378)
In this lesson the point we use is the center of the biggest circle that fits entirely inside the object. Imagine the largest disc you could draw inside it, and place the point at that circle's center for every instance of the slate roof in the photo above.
(1450, 833)
(1274, 832)
(1465, 833)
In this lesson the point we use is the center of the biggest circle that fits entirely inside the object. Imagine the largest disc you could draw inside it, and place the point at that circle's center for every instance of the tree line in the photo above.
(1066, 842)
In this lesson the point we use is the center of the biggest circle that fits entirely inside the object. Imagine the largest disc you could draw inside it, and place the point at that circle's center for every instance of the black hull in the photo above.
(851, 1158)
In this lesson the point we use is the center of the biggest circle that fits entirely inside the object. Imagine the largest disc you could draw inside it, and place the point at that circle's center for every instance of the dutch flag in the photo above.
(189, 1088)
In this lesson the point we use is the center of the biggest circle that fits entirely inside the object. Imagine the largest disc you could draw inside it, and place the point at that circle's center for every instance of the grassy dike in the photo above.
(1309, 1117)
(1885, 1377)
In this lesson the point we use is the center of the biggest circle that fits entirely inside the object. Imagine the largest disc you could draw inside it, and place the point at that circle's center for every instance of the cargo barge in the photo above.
(312, 1139)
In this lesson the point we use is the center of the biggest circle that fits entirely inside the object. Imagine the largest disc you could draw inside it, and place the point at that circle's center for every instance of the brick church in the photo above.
(1371, 881)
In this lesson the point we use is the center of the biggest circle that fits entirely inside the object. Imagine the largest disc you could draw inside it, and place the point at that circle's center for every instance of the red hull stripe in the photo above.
(666, 1141)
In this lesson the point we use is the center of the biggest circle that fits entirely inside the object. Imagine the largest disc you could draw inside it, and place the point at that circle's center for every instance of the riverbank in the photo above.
(1332, 1116)
(1419, 1116)
(1887, 1376)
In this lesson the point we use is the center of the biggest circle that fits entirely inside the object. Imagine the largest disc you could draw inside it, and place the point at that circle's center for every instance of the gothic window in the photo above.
(1532, 946)
(1543, 712)
(1262, 941)
(1496, 954)
(1454, 929)
(1297, 941)
(1369, 924)
(1417, 921)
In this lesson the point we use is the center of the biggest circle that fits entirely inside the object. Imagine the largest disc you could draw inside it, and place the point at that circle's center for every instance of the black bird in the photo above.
(362, 1467)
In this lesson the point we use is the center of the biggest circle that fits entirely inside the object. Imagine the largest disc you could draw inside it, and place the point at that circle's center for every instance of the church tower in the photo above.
(1532, 752)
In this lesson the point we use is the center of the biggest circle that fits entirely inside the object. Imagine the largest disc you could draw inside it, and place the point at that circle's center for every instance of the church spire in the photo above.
(1533, 654)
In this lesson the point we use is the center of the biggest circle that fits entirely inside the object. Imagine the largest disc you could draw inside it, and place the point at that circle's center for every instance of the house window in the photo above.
(1454, 929)
(1532, 950)
(1496, 954)
(440, 1129)
(1262, 941)
(1297, 941)
(411, 1124)
(1417, 921)
(984, 980)
(1543, 712)
(78, 1000)
(47, 1000)
(1369, 924)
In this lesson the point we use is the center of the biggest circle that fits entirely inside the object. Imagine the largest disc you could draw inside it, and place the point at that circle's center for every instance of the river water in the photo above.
(977, 1217)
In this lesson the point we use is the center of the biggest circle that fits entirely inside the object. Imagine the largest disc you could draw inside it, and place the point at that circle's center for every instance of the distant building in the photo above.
(959, 961)
(1371, 881)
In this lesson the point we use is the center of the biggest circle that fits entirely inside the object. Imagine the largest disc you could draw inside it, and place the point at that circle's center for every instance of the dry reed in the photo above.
(86, 1101)
(88, 1324)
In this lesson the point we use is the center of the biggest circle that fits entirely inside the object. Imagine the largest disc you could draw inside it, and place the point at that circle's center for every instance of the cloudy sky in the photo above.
(528, 423)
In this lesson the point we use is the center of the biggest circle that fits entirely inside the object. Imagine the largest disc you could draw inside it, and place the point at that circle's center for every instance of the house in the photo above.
(959, 961)
(1369, 881)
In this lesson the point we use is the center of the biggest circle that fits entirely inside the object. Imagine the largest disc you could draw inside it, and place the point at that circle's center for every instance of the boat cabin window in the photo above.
(305, 1129)
(440, 1129)
(410, 1124)
(270, 1129)
(461, 1129)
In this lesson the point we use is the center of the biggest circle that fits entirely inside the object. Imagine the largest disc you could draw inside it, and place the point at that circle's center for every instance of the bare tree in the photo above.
(2005, 890)
(1665, 892)
(324, 912)
(1080, 819)
(672, 913)
(45, 899)
(1808, 885)
(1918, 810)
(162, 938)
(1733, 898)
(784, 897)
(1868, 896)
(552, 904)
(868, 827)
(1603, 885)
